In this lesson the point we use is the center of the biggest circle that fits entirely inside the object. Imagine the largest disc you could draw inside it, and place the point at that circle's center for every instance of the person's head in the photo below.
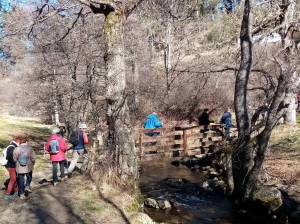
(23, 140)
(154, 113)
(82, 126)
(228, 109)
(56, 130)
(17, 139)
(206, 110)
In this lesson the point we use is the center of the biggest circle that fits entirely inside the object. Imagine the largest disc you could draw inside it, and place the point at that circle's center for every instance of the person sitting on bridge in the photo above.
(152, 122)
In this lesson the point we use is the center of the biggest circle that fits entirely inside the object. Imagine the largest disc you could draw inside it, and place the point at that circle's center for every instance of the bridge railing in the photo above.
(178, 141)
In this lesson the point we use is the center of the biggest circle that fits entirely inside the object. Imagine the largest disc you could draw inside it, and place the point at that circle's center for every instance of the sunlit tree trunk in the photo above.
(120, 139)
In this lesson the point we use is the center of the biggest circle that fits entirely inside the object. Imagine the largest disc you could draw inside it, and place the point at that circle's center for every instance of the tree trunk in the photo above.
(122, 147)
(122, 159)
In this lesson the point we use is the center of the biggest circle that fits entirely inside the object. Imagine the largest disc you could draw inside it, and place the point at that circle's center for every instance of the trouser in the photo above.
(54, 170)
(28, 178)
(75, 157)
(21, 181)
(227, 133)
(13, 184)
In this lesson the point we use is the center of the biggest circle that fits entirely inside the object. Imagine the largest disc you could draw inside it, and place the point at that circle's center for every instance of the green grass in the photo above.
(286, 138)
(87, 205)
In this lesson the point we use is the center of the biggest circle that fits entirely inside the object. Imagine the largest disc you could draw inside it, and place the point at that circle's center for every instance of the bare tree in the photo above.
(248, 151)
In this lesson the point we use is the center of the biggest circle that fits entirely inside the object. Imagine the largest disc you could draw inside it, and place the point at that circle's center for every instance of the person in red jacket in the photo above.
(57, 158)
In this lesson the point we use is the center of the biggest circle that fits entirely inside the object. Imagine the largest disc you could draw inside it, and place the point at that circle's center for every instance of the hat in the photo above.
(82, 126)
(56, 131)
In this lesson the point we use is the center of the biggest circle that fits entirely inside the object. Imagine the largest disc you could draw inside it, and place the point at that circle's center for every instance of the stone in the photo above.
(213, 174)
(164, 204)
(204, 184)
(151, 203)
(193, 169)
(201, 156)
(267, 199)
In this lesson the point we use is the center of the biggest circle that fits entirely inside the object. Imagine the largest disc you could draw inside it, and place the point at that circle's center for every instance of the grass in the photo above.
(286, 138)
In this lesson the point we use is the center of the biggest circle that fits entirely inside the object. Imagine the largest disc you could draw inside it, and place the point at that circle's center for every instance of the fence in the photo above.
(178, 141)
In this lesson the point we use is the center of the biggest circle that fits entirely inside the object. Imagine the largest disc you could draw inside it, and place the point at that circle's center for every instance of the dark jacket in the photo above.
(83, 140)
(10, 155)
(204, 119)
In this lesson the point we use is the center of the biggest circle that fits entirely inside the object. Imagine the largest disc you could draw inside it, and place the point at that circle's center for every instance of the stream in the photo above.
(189, 209)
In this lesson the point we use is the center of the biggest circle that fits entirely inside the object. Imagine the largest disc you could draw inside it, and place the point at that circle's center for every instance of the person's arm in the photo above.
(85, 138)
(157, 123)
(10, 155)
(32, 155)
(48, 145)
(63, 145)
(15, 154)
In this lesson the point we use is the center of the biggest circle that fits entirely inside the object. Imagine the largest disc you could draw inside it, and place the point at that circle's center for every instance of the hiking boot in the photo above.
(28, 189)
(9, 197)
(22, 196)
(69, 175)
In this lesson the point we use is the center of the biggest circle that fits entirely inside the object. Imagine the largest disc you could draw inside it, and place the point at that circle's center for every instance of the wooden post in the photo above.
(185, 143)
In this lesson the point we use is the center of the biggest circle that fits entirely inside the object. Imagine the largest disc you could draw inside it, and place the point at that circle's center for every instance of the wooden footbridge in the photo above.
(178, 141)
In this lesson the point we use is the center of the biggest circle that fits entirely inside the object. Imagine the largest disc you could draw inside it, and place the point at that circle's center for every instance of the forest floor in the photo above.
(282, 163)
(75, 201)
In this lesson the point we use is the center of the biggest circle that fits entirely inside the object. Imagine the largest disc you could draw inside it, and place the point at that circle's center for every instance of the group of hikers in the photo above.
(20, 159)
(152, 122)
(225, 120)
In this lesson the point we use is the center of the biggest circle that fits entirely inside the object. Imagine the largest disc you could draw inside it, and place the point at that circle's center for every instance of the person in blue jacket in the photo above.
(152, 122)
(226, 119)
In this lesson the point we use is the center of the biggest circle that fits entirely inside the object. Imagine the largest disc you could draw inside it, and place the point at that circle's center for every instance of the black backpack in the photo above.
(74, 138)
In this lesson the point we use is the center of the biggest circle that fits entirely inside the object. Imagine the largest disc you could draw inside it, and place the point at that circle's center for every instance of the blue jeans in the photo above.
(54, 170)
(21, 182)
(28, 179)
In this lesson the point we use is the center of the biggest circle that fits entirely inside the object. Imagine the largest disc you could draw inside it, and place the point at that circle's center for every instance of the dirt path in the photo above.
(47, 204)
(75, 201)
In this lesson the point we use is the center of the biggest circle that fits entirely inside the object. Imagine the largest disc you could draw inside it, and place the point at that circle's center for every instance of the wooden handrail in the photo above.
(185, 140)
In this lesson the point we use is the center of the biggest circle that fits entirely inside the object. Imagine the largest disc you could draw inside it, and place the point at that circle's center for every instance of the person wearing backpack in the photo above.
(79, 149)
(24, 157)
(57, 146)
(12, 186)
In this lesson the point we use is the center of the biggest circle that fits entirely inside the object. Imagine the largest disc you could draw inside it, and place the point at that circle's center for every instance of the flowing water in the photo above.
(190, 209)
